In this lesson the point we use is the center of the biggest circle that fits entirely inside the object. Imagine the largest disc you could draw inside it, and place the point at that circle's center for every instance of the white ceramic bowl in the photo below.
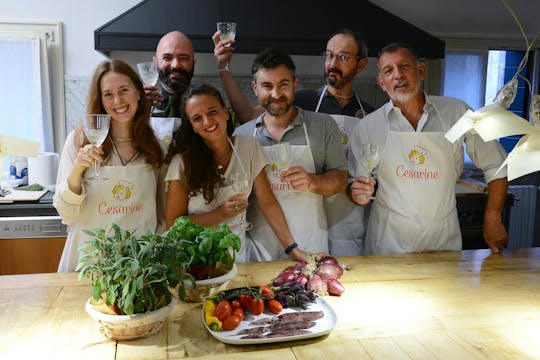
(204, 287)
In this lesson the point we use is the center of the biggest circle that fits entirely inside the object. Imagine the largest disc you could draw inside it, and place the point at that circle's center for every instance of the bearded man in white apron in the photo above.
(414, 209)
(316, 166)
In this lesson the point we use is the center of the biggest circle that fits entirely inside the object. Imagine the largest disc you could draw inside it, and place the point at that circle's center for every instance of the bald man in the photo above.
(175, 60)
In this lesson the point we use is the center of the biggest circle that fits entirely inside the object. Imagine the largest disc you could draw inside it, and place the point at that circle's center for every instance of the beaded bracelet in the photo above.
(291, 248)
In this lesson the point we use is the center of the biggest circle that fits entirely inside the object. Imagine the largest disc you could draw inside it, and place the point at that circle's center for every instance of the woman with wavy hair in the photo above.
(204, 160)
(131, 195)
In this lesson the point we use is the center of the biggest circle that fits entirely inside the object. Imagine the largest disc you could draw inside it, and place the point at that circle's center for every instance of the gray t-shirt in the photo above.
(324, 138)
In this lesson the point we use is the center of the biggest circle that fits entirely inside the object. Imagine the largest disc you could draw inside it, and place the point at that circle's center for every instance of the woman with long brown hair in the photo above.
(131, 194)
(205, 160)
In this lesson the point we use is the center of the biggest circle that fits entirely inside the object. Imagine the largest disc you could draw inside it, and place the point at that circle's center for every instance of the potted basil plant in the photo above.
(212, 252)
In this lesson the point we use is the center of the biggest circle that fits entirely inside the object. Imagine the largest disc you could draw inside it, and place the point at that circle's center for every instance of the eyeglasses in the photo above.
(341, 57)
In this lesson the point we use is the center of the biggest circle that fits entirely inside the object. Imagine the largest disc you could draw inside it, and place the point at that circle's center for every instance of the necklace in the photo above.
(224, 160)
(343, 97)
(122, 139)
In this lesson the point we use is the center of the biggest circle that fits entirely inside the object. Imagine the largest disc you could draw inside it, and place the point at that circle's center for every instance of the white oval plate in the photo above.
(323, 326)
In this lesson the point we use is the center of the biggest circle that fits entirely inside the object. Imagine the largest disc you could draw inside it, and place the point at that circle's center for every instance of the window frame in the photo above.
(52, 74)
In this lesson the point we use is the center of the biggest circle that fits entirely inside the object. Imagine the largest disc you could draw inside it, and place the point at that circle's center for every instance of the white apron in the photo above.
(164, 128)
(415, 205)
(127, 198)
(346, 220)
(250, 250)
(304, 210)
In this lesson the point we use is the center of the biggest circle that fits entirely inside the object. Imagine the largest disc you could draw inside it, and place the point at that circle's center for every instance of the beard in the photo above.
(178, 85)
(404, 97)
(277, 107)
(338, 83)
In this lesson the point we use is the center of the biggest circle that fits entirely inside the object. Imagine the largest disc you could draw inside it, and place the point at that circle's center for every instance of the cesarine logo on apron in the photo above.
(415, 158)
(121, 192)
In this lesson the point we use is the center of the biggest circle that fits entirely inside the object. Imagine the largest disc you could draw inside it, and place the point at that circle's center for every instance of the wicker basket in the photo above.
(131, 327)
(204, 287)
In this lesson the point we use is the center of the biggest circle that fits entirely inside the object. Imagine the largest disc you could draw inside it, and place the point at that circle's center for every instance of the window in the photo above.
(32, 91)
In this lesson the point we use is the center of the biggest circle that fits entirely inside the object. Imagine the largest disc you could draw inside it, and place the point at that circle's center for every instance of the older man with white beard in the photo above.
(415, 208)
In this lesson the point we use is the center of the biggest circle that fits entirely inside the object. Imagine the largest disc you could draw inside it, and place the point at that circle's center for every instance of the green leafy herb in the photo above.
(134, 273)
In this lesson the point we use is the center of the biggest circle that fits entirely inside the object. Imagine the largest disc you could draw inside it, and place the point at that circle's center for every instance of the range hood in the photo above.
(298, 27)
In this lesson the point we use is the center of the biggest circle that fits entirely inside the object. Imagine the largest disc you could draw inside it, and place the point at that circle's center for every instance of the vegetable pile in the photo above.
(226, 309)
(318, 274)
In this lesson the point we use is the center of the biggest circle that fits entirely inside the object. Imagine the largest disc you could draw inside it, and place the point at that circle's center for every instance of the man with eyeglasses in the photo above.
(345, 56)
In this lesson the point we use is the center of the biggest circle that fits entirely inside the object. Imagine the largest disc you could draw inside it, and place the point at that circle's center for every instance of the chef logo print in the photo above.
(276, 171)
(122, 190)
(417, 156)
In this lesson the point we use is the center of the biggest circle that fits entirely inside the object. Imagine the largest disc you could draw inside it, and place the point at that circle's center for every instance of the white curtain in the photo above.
(23, 112)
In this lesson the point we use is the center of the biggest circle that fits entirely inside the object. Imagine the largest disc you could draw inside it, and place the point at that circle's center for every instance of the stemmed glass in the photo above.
(228, 31)
(240, 186)
(370, 155)
(283, 160)
(96, 128)
(148, 72)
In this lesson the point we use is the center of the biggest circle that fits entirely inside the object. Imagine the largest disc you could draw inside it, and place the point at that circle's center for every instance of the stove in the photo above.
(31, 219)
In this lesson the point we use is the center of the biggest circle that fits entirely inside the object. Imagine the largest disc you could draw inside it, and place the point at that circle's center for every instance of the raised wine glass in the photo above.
(240, 186)
(148, 72)
(228, 31)
(283, 160)
(96, 128)
(370, 155)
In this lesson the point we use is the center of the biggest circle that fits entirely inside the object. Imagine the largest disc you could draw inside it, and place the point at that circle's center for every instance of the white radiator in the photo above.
(522, 216)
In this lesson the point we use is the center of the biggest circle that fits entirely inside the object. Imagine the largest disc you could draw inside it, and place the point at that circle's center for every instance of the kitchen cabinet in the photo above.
(30, 255)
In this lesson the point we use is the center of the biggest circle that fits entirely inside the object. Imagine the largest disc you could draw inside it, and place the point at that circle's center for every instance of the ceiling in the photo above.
(475, 19)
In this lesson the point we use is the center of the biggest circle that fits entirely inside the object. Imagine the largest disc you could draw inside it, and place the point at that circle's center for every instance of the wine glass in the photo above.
(240, 186)
(148, 72)
(96, 128)
(228, 31)
(370, 155)
(283, 160)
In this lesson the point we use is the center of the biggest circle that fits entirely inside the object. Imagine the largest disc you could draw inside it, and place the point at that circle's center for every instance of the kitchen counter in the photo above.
(450, 305)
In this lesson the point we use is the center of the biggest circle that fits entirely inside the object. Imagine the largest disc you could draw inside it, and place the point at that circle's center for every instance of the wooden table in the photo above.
(451, 305)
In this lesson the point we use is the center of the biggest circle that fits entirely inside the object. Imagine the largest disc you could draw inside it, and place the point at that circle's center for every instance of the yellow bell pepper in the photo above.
(213, 322)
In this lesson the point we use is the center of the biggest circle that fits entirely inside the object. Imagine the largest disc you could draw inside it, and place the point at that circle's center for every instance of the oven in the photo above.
(32, 237)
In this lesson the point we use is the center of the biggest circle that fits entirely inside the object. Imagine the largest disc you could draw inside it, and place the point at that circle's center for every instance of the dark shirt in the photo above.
(307, 99)
(170, 107)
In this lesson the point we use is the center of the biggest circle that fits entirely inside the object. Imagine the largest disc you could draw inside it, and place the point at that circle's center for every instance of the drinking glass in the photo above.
(96, 128)
(228, 31)
(370, 155)
(148, 72)
(240, 185)
(283, 160)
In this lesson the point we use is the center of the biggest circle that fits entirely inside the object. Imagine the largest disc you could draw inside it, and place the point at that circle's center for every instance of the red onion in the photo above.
(302, 279)
(317, 284)
(328, 271)
(331, 261)
(335, 287)
(284, 276)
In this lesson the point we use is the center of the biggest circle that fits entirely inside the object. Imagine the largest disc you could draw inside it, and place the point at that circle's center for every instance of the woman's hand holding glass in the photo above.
(240, 188)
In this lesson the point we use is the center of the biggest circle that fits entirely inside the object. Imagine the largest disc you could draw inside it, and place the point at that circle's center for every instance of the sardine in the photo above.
(290, 317)
(293, 325)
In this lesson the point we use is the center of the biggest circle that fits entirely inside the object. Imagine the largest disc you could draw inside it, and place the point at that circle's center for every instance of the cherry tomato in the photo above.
(231, 322)
(235, 304)
(257, 306)
(274, 306)
(239, 312)
(267, 292)
(223, 310)
(245, 301)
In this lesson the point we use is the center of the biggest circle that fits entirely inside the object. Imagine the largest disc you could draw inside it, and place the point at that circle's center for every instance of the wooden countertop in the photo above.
(452, 305)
